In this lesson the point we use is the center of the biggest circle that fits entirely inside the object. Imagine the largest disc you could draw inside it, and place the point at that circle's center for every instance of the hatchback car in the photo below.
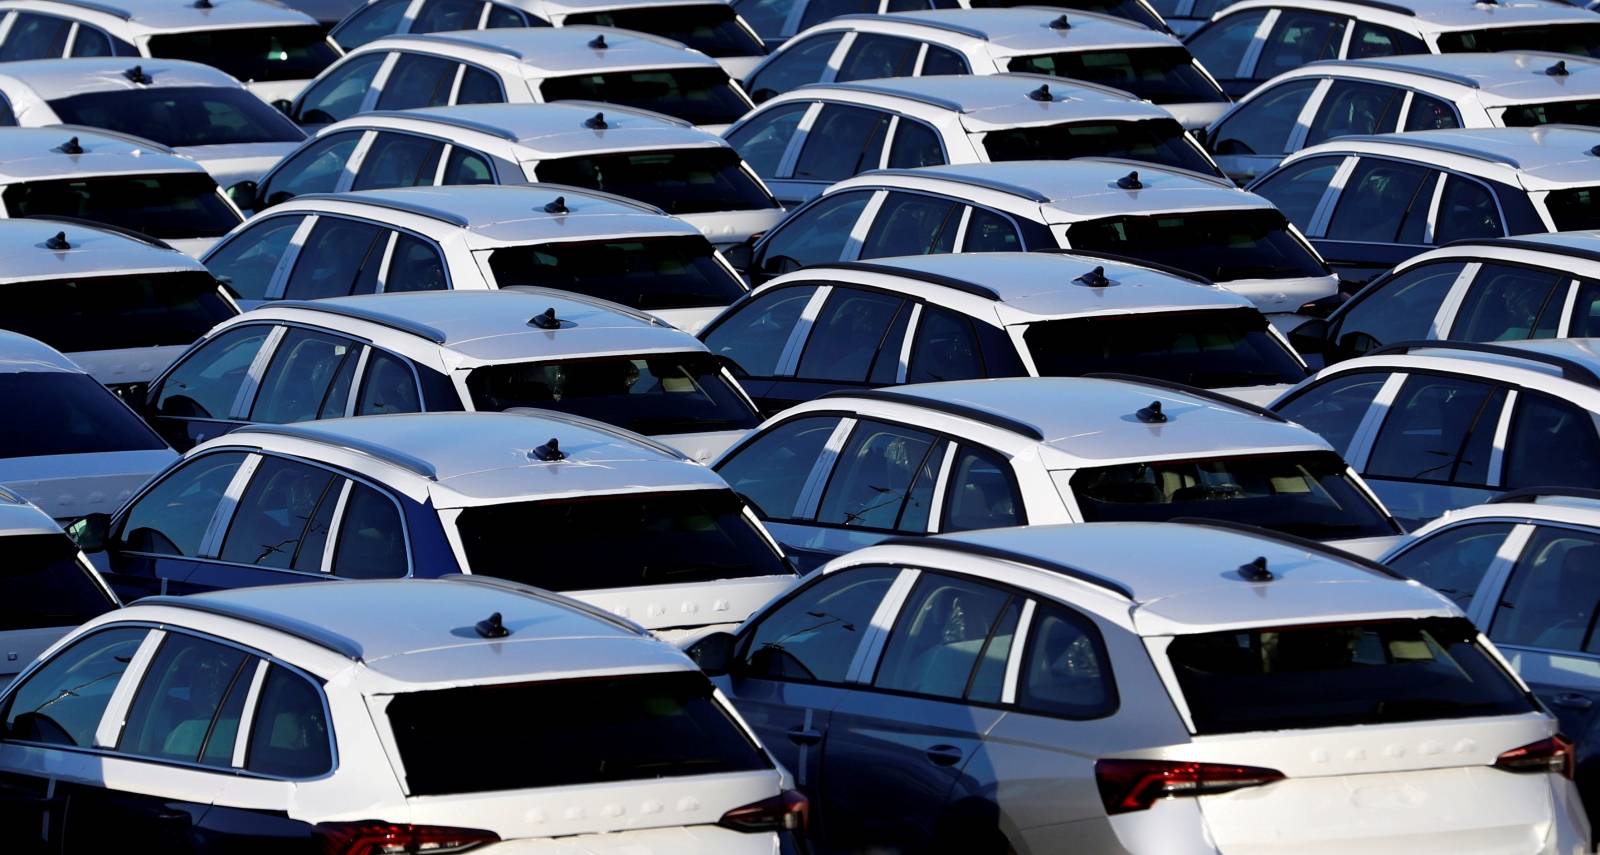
(327, 720)
(1145, 688)
(778, 20)
(792, 140)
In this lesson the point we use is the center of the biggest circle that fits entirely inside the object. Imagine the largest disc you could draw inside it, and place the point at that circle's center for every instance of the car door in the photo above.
(395, 159)
(1252, 138)
(278, 530)
(1510, 302)
(756, 334)
(884, 482)
(776, 469)
(837, 141)
(804, 62)
(1407, 306)
(1379, 219)
(1228, 48)
(252, 261)
(157, 538)
(853, 342)
(319, 166)
(199, 397)
(1355, 107)
(822, 231)
(341, 92)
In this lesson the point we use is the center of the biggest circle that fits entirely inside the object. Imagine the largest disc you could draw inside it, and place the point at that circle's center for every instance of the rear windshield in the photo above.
(1309, 494)
(1152, 140)
(1131, 10)
(1210, 348)
(1580, 39)
(43, 584)
(702, 96)
(164, 205)
(1552, 113)
(1220, 245)
(567, 732)
(672, 393)
(67, 413)
(1575, 209)
(1340, 676)
(1161, 75)
(618, 541)
(713, 29)
(645, 273)
(181, 115)
(679, 181)
(266, 53)
(109, 312)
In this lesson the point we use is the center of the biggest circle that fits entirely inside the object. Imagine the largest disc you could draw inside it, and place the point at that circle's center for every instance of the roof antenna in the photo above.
(493, 626)
(1595, 151)
(1558, 70)
(1096, 278)
(1130, 181)
(58, 243)
(599, 42)
(137, 75)
(203, 4)
(1042, 93)
(549, 451)
(1152, 414)
(597, 122)
(546, 320)
(1256, 571)
(1061, 23)
(71, 146)
(559, 206)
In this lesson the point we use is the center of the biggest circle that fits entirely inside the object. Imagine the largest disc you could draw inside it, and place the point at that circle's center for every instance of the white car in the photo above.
(372, 717)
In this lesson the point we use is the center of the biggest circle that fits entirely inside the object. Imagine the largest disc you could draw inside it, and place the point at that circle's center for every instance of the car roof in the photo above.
(34, 154)
(1436, 15)
(989, 101)
(51, 79)
(91, 251)
(551, 130)
(1509, 77)
(1569, 367)
(19, 354)
(1540, 158)
(1539, 504)
(547, 51)
(1020, 30)
(20, 516)
(176, 15)
(577, 6)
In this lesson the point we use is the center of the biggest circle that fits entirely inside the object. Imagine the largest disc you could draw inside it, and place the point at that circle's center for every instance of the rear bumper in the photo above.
(693, 840)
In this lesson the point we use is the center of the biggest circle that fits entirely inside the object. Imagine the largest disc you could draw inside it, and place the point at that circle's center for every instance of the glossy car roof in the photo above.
(1540, 158)
(20, 516)
(1439, 15)
(175, 16)
(51, 79)
(19, 353)
(551, 51)
(1014, 31)
(32, 154)
(91, 252)
(987, 101)
(1510, 77)
(549, 130)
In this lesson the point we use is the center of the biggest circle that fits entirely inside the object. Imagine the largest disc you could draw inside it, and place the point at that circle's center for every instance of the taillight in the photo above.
(787, 811)
(1130, 785)
(1546, 755)
(373, 837)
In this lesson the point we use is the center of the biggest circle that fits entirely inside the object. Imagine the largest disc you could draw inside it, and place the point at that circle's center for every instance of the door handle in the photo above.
(804, 736)
(1572, 700)
(944, 755)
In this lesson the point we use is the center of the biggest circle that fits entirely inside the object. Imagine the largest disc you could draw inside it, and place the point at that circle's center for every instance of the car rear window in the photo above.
(1219, 245)
(67, 414)
(257, 54)
(162, 205)
(109, 312)
(701, 96)
(1575, 38)
(1552, 113)
(1342, 675)
(1160, 75)
(1575, 209)
(649, 273)
(567, 733)
(712, 28)
(1151, 140)
(1210, 348)
(42, 584)
(181, 115)
(678, 181)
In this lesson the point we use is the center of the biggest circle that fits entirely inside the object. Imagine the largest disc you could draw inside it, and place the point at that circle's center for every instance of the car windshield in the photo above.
(1575, 38)
(1210, 348)
(645, 273)
(652, 395)
(1131, 10)
(1151, 140)
(607, 729)
(1575, 209)
(67, 413)
(1160, 75)
(181, 115)
(43, 584)
(678, 181)
(1220, 245)
(257, 54)
(1340, 675)
(109, 312)
(701, 96)
(1305, 493)
(163, 205)
(711, 28)
(624, 540)
(1552, 113)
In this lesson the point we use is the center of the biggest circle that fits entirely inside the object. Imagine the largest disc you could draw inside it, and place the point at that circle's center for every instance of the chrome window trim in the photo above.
(244, 396)
(1502, 430)
(940, 487)
(115, 716)
(291, 254)
(805, 506)
(1367, 431)
(222, 516)
(903, 363)
(1019, 643)
(789, 358)
(864, 664)
(334, 521)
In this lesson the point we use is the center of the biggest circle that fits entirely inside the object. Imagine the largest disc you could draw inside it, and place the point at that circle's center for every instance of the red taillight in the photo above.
(787, 811)
(1546, 755)
(1130, 785)
(373, 837)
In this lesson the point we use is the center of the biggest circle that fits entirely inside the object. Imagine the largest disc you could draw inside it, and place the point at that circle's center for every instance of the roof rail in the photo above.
(1183, 388)
(947, 26)
(611, 107)
(1131, 262)
(988, 417)
(985, 551)
(443, 117)
(1533, 494)
(360, 313)
(104, 8)
(876, 89)
(1570, 369)
(546, 187)
(600, 427)
(103, 227)
(546, 596)
(1391, 65)
(1379, 4)
(135, 139)
(304, 630)
(1531, 245)
(1421, 140)
(598, 302)
(361, 197)
(939, 279)
(1294, 540)
(938, 174)
(1214, 180)
(444, 38)
(377, 451)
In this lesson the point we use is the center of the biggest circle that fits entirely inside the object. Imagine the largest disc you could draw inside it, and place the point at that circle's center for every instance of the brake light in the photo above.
(1130, 785)
(1546, 755)
(375, 837)
(787, 811)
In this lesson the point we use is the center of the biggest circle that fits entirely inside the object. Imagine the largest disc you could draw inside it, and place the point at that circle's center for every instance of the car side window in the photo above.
(176, 713)
(304, 374)
(755, 334)
(35, 36)
(883, 480)
(1065, 670)
(204, 385)
(913, 224)
(247, 261)
(950, 632)
(418, 80)
(1379, 199)
(371, 541)
(340, 94)
(814, 635)
(818, 11)
(940, 60)
(843, 141)
(466, 166)
(1585, 310)
(437, 16)
(316, 168)
(763, 140)
(389, 386)
(981, 493)
(1354, 107)
(945, 347)
(274, 523)
(848, 334)
(1430, 114)
(1549, 602)
(1454, 560)
(1400, 309)
(1298, 189)
(1438, 429)
(872, 56)
(506, 17)
(1510, 303)
(479, 87)
(399, 160)
(799, 64)
(1300, 38)
(61, 702)
(371, 22)
(814, 235)
(771, 470)
(90, 41)
(1220, 46)
(1467, 211)
(414, 266)
(1334, 408)
(172, 517)
(1371, 40)
(1551, 443)
(340, 257)
(990, 232)
(289, 732)
(1263, 125)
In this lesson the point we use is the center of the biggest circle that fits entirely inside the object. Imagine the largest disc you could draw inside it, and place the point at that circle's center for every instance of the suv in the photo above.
(1201, 224)
(778, 20)
(1369, 203)
(1435, 426)
(656, 159)
(1144, 688)
(855, 325)
(522, 66)
(1080, 45)
(793, 140)
(328, 720)
(476, 238)
(433, 351)
(854, 468)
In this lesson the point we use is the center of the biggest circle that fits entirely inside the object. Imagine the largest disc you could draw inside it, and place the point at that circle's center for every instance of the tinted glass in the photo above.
(771, 470)
(847, 334)
(1509, 303)
(981, 493)
(803, 62)
(173, 516)
(1549, 602)
(766, 17)
(267, 53)
(466, 167)
(1298, 38)
(340, 257)
(1453, 561)
(817, 11)
(224, 735)
(67, 413)
(1400, 309)
(649, 273)
(943, 632)
(679, 181)
(388, 386)
(1351, 107)
(289, 734)
(843, 141)
(1151, 140)
(372, 544)
(108, 312)
(1585, 311)
(1065, 669)
(1161, 75)
(398, 160)
(270, 521)
(1552, 443)
(990, 232)
(165, 205)
(440, 15)
(339, 95)
(43, 584)
(316, 168)
(1263, 126)
(1219, 245)
(479, 87)
(61, 703)
(945, 347)
(181, 115)
(912, 224)
(872, 56)
(763, 140)
(915, 144)
(814, 235)
(1574, 209)
(1335, 407)
(373, 21)
(702, 96)
(92, 42)
(666, 394)
(874, 474)
(1213, 348)
(417, 80)
(35, 37)
(1574, 38)
(303, 372)
(501, 17)
(1552, 113)
(1376, 199)
(1371, 40)
(206, 383)
(711, 28)
(1467, 211)
(415, 265)
(1220, 46)
(941, 61)
(814, 635)
(174, 712)
(754, 336)
(1431, 114)
(1438, 429)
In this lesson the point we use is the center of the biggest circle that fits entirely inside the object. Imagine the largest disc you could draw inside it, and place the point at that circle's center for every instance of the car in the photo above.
(1439, 425)
(1073, 44)
(1183, 17)
(272, 48)
(633, 525)
(647, 156)
(858, 325)
(713, 28)
(1255, 40)
(951, 119)
(778, 20)
(440, 351)
(1197, 223)
(70, 446)
(47, 587)
(524, 66)
(101, 176)
(475, 238)
(328, 719)
(1144, 688)
(1473, 184)
(854, 468)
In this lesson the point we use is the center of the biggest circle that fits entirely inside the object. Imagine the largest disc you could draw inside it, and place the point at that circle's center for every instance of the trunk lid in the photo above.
(696, 604)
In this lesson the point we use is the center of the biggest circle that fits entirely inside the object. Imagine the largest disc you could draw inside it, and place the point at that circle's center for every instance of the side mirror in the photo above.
(243, 194)
(740, 255)
(714, 653)
(284, 106)
(1200, 135)
(1310, 337)
(91, 532)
